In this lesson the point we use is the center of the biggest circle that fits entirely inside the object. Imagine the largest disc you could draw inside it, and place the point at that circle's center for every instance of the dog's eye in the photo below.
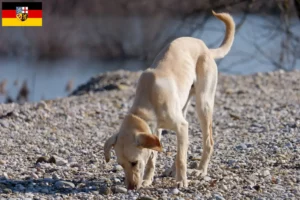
(133, 164)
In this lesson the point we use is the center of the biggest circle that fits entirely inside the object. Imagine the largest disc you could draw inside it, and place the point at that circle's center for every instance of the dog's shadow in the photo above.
(60, 186)
(50, 186)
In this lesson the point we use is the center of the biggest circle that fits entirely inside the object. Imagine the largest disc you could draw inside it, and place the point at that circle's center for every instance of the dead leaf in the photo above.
(213, 183)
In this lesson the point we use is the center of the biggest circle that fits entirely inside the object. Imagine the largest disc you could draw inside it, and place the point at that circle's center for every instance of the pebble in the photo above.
(20, 187)
(119, 189)
(7, 191)
(55, 176)
(60, 161)
(5, 124)
(289, 145)
(44, 190)
(64, 184)
(34, 176)
(218, 197)
(224, 187)
(42, 104)
(2, 162)
(5, 175)
(207, 178)
(231, 162)
(193, 165)
(146, 198)
(241, 146)
(118, 168)
(116, 180)
(266, 173)
(105, 190)
(175, 191)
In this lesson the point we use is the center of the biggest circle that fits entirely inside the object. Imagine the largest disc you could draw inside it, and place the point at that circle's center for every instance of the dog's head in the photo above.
(133, 147)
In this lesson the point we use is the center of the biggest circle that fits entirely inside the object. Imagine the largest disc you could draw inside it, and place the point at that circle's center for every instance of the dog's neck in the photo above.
(146, 115)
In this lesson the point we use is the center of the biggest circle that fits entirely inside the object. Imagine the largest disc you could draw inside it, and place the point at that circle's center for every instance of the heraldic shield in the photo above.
(22, 13)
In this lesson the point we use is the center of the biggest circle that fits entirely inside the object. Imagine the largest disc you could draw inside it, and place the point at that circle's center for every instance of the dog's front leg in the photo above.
(150, 167)
(181, 156)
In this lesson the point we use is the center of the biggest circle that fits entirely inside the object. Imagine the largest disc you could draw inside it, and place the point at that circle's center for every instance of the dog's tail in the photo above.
(229, 36)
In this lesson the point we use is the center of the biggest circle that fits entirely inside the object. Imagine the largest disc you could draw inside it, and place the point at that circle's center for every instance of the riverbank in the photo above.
(256, 133)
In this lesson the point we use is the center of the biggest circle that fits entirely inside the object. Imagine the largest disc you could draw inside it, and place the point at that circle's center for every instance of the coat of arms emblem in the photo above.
(22, 13)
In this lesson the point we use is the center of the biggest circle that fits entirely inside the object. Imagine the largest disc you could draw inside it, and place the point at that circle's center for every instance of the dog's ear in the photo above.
(108, 145)
(149, 141)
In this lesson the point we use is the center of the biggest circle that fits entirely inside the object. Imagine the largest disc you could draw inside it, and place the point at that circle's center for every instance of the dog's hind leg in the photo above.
(150, 167)
(186, 106)
(205, 89)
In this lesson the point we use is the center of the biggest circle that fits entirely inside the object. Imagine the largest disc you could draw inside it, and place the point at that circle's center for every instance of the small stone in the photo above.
(193, 165)
(195, 158)
(20, 187)
(105, 190)
(41, 159)
(119, 189)
(224, 187)
(107, 181)
(74, 164)
(64, 184)
(60, 161)
(52, 160)
(2, 186)
(289, 145)
(2, 162)
(5, 175)
(44, 190)
(175, 191)
(231, 162)
(146, 198)
(55, 176)
(7, 191)
(118, 168)
(160, 190)
(218, 197)
(207, 178)
(241, 146)
(266, 173)
(256, 187)
(35, 176)
(5, 124)
(42, 104)
(116, 180)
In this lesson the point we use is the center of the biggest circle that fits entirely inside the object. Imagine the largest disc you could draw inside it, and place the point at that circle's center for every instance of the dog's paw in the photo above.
(182, 183)
(146, 183)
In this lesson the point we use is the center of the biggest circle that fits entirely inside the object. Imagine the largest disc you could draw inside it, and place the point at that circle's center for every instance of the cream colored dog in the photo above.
(183, 69)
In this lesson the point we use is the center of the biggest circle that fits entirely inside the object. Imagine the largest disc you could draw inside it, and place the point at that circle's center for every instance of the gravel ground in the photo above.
(54, 149)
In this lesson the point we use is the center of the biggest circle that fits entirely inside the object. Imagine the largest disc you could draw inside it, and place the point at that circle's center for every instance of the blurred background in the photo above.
(80, 39)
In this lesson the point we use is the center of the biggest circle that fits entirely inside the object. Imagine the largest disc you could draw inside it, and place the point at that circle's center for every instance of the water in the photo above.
(48, 80)
(256, 49)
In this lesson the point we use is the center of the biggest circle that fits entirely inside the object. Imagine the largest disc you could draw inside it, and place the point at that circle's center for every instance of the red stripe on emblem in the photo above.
(31, 13)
